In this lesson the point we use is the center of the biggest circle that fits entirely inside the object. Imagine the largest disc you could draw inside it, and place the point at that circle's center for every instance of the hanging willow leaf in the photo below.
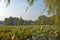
(30, 2)
(8, 2)
(54, 7)
(27, 9)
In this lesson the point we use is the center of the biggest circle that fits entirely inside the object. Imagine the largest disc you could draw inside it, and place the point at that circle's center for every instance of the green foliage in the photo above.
(7, 2)
(17, 21)
(54, 7)
(30, 2)
(28, 32)
(43, 20)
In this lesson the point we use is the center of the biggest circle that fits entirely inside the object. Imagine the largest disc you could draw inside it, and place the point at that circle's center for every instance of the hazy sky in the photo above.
(17, 8)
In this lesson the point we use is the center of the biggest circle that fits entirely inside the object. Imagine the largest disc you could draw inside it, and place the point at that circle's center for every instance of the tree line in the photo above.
(42, 20)
(17, 21)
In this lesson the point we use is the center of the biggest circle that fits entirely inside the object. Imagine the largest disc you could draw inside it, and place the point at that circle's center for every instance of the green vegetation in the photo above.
(17, 21)
(54, 8)
(42, 20)
(31, 32)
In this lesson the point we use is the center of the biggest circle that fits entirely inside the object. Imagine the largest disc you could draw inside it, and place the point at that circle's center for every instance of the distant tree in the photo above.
(21, 21)
(16, 21)
(31, 22)
(11, 21)
(26, 22)
(6, 21)
(43, 20)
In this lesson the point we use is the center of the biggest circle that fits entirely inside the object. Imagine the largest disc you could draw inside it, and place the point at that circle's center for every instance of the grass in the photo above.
(28, 32)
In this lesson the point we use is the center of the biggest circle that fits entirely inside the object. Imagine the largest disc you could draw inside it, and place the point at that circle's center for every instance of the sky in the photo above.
(17, 8)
